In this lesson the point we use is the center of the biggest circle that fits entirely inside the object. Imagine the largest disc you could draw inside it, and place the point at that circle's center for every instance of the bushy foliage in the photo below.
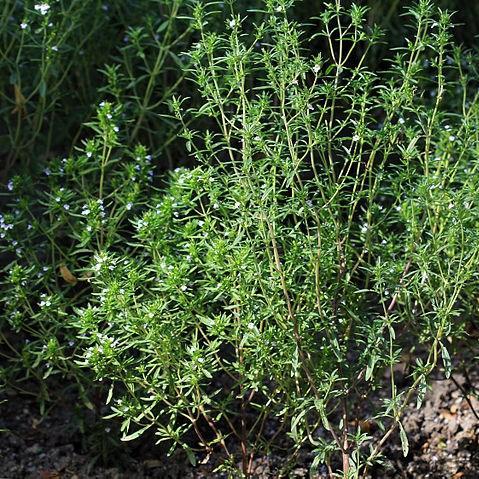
(327, 230)
(81, 205)
(60, 58)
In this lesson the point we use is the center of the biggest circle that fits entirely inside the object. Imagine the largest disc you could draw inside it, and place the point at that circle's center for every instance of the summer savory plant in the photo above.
(47, 48)
(329, 229)
(299, 286)
(61, 58)
(49, 235)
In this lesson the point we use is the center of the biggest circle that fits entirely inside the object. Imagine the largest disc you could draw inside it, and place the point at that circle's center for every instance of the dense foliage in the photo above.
(319, 237)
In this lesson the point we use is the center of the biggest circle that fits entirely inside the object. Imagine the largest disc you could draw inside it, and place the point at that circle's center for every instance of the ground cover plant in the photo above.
(300, 280)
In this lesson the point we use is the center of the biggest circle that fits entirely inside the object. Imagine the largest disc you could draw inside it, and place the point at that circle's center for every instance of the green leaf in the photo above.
(110, 394)
(446, 361)
(191, 456)
(42, 89)
(421, 392)
(135, 434)
(322, 412)
(404, 440)
(370, 367)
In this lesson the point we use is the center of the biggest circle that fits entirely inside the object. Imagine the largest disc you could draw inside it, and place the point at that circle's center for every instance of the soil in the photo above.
(443, 435)
(443, 443)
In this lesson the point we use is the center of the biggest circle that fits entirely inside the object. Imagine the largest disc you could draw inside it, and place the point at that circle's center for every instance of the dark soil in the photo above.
(443, 435)
(443, 438)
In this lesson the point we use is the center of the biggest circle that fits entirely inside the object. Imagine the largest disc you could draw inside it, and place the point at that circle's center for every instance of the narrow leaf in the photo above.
(404, 440)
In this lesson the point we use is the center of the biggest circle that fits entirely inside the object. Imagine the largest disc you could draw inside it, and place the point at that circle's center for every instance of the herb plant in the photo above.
(303, 280)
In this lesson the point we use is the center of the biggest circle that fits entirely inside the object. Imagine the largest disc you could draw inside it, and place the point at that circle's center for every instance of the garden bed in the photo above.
(443, 437)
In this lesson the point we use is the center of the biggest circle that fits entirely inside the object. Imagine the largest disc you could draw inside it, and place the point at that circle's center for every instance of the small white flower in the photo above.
(58, 199)
(67, 207)
(184, 287)
(316, 68)
(310, 107)
(88, 154)
(108, 115)
(55, 48)
(232, 23)
(250, 326)
(356, 138)
(201, 360)
(279, 8)
(401, 121)
(116, 129)
(23, 25)
(129, 206)
(42, 8)
(47, 171)
(201, 223)
(10, 185)
(452, 138)
(237, 204)
(216, 206)
(102, 104)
